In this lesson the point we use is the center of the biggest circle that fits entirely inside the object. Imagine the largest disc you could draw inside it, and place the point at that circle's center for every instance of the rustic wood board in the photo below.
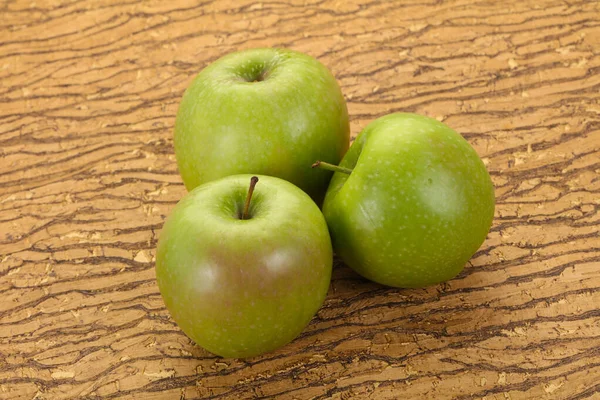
(89, 92)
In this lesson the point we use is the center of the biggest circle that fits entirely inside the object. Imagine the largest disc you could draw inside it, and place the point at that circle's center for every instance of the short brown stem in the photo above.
(253, 181)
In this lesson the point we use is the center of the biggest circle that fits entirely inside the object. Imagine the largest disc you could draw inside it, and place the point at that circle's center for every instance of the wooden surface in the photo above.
(89, 92)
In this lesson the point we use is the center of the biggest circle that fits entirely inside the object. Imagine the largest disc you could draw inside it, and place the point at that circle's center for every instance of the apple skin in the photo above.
(263, 111)
(240, 288)
(417, 205)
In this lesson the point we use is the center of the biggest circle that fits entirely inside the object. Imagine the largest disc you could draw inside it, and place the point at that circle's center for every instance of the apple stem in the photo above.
(331, 167)
(253, 181)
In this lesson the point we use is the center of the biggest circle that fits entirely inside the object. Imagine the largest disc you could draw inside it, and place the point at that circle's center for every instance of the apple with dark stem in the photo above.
(242, 270)
(410, 203)
(264, 111)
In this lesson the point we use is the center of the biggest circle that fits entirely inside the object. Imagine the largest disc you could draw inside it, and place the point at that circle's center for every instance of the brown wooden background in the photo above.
(88, 94)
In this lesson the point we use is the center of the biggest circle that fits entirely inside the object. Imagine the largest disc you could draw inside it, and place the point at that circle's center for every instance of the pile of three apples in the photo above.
(243, 265)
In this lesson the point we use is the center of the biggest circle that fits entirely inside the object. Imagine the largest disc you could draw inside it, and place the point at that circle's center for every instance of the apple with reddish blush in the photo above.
(243, 264)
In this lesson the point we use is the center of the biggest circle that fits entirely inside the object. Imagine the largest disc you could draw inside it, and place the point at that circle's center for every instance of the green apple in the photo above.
(262, 111)
(411, 204)
(242, 272)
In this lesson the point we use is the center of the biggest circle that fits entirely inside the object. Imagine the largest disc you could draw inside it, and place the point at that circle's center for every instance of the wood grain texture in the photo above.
(89, 92)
